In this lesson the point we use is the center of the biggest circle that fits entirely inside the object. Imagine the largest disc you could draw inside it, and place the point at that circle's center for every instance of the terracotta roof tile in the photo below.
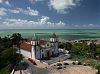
(24, 45)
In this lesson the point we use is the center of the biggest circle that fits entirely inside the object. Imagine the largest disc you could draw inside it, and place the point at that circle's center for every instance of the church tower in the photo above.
(53, 38)
(54, 43)
(34, 44)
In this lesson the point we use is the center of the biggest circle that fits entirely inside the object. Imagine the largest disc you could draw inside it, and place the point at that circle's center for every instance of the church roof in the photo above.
(25, 45)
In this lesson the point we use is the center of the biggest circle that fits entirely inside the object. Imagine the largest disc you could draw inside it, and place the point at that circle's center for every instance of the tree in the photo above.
(16, 38)
(80, 49)
(76, 50)
(1, 45)
(6, 42)
(68, 46)
(98, 68)
(92, 48)
(9, 57)
(61, 45)
(98, 50)
(98, 53)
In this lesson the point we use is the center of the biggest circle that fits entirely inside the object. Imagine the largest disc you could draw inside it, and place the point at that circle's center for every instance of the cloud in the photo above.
(0, 18)
(6, 2)
(1, 1)
(31, 12)
(16, 11)
(62, 5)
(84, 26)
(91, 25)
(3, 11)
(28, 11)
(43, 22)
(40, 23)
(44, 19)
(34, 1)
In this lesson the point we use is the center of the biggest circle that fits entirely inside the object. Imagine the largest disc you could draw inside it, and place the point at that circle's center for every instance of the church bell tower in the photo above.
(34, 43)
(54, 43)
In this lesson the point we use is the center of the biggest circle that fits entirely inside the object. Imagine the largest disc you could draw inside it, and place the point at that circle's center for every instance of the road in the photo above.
(28, 68)
(60, 58)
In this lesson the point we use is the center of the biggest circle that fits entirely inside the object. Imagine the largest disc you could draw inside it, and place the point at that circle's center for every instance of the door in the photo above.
(48, 54)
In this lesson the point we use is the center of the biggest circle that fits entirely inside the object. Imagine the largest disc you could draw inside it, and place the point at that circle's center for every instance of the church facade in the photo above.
(40, 49)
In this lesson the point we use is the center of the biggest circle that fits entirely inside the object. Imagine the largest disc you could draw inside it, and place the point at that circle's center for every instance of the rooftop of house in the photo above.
(26, 45)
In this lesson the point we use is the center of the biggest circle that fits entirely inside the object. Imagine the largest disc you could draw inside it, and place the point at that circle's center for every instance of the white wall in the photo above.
(25, 53)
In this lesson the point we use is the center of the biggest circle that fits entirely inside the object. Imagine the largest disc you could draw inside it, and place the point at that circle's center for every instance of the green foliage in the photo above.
(6, 42)
(80, 49)
(92, 48)
(8, 55)
(83, 52)
(98, 50)
(66, 45)
(98, 68)
(61, 45)
(4, 70)
(15, 38)
(1, 44)
(5, 56)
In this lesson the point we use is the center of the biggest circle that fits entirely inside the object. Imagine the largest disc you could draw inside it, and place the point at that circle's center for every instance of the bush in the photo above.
(98, 68)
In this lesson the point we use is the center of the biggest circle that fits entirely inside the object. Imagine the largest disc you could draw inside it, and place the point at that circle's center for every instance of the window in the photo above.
(42, 50)
(47, 44)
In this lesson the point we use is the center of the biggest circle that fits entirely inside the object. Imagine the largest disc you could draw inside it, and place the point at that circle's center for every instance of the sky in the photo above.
(49, 14)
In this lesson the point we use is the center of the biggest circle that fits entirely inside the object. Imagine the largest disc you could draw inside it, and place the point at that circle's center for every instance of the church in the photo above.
(39, 48)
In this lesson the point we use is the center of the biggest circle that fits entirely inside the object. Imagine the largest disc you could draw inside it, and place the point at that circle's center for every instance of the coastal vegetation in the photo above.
(84, 52)
(8, 56)
(80, 51)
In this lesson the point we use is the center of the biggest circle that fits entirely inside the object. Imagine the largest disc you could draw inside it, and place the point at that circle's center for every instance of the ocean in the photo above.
(62, 34)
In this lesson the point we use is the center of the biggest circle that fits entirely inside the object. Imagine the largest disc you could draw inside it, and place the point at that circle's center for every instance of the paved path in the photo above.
(61, 57)
(29, 68)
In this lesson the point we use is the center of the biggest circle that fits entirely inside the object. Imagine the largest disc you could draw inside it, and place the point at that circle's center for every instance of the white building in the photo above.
(40, 49)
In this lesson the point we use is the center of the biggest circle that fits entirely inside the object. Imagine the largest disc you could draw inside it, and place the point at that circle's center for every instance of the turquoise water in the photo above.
(64, 34)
